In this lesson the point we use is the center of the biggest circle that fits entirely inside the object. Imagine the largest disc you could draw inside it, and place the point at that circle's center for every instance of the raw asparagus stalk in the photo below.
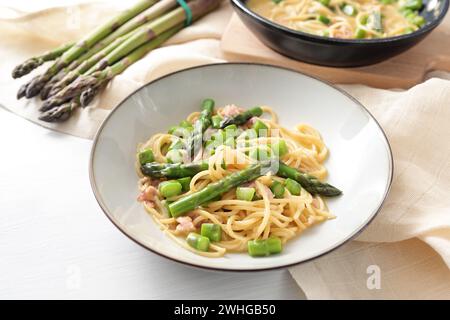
(34, 62)
(310, 183)
(204, 122)
(155, 28)
(105, 46)
(242, 117)
(45, 92)
(151, 13)
(215, 189)
(101, 77)
(84, 44)
(61, 113)
(88, 95)
(173, 170)
(85, 65)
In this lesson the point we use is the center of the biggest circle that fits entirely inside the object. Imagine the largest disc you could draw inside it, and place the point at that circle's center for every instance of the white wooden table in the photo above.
(55, 242)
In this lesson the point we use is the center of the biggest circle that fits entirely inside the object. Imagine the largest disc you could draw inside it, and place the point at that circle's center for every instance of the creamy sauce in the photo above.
(343, 19)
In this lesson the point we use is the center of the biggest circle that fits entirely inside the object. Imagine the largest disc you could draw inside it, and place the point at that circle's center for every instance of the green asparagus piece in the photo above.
(62, 112)
(245, 193)
(99, 78)
(263, 248)
(280, 148)
(192, 201)
(308, 182)
(173, 170)
(146, 156)
(155, 28)
(293, 186)
(242, 117)
(34, 62)
(86, 65)
(84, 44)
(198, 242)
(170, 188)
(185, 183)
(277, 189)
(212, 231)
(204, 121)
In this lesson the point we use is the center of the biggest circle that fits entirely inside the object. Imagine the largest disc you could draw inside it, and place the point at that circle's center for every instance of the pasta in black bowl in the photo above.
(341, 33)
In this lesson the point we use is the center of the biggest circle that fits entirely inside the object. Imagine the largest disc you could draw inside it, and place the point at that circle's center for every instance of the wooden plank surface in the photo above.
(402, 71)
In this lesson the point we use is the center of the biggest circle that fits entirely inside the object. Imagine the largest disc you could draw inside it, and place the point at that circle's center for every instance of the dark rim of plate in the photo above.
(430, 25)
(220, 65)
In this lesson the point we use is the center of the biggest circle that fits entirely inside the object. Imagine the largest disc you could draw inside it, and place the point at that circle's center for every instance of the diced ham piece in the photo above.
(252, 121)
(150, 204)
(267, 192)
(148, 194)
(250, 184)
(231, 110)
(315, 203)
(185, 225)
(343, 33)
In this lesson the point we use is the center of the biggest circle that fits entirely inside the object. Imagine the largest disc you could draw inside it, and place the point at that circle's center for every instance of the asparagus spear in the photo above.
(61, 113)
(215, 189)
(151, 13)
(154, 28)
(101, 77)
(88, 95)
(200, 126)
(29, 65)
(242, 117)
(85, 65)
(105, 46)
(173, 170)
(84, 44)
(310, 183)
(45, 92)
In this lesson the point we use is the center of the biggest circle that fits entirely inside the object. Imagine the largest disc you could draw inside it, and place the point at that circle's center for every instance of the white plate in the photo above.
(360, 161)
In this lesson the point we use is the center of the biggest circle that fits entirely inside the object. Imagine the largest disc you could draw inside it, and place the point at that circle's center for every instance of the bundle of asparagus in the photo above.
(81, 69)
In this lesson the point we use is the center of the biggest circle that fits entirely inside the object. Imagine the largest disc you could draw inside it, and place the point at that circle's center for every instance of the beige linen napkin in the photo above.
(416, 123)
(385, 265)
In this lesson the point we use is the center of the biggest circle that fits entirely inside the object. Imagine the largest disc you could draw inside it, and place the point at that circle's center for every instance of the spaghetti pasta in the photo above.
(344, 18)
(261, 217)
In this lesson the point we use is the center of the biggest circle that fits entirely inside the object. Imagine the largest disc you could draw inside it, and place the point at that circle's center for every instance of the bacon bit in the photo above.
(150, 204)
(251, 184)
(155, 183)
(267, 192)
(148, 194)
(344, 33)
(231, 110)
(185, 225)
(252, 121)
(315, 203)
(192, 215)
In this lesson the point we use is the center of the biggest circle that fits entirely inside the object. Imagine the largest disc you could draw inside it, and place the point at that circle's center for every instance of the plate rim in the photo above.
(103, 207)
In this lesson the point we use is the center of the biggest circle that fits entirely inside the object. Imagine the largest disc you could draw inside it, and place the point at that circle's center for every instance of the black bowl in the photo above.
(332, 51)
